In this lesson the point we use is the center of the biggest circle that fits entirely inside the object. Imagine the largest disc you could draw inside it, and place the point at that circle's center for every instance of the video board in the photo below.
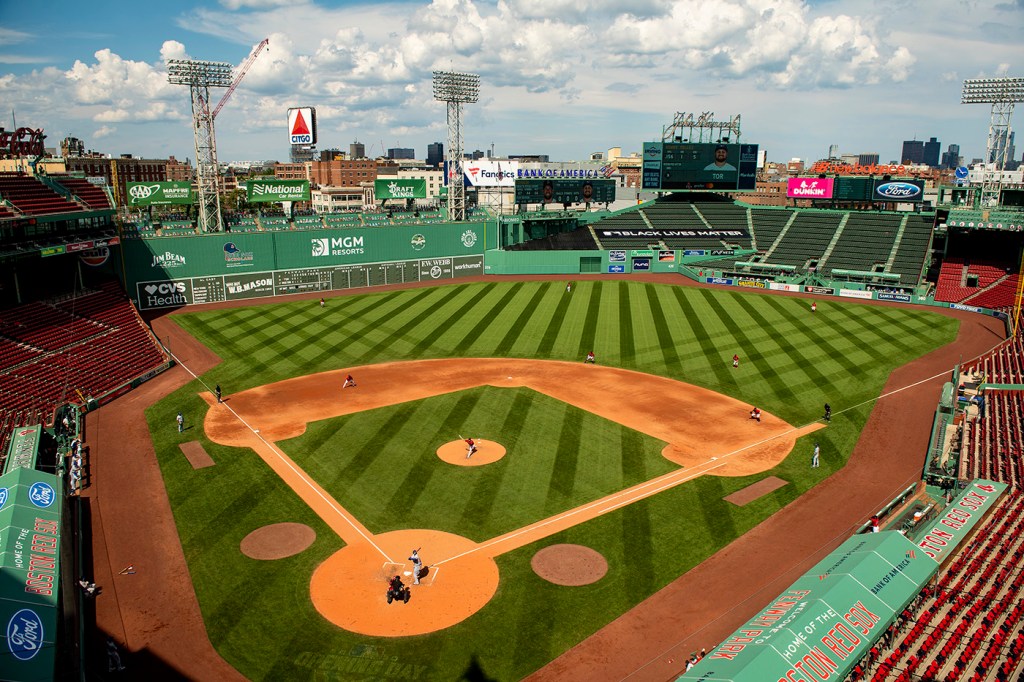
(699, 165)
(565, 191)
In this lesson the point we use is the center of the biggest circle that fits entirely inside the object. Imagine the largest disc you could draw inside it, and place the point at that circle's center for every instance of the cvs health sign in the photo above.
(302, 125)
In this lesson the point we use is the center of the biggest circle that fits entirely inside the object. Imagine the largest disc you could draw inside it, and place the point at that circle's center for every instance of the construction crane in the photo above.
(241, 74)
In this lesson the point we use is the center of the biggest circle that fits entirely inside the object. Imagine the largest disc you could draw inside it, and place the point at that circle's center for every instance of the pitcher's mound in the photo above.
(277, 541)
(572, 565)
(487, 452)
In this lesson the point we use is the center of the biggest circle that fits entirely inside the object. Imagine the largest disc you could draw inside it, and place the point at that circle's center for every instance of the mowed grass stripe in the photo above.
(400, 333)
(868, 329)
(589, 333)
(711, 353)
(791, 343)
(664, 336)
(836, 353)
(454, 320)
(627, 343)
(567, 454)
(487, 317)
(510, 338)
(480, 505)
(552, 333)
(748, 352)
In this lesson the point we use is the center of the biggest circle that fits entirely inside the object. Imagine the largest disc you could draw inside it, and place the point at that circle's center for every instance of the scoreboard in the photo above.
(852, 189)
(565, 191)
(699, 165)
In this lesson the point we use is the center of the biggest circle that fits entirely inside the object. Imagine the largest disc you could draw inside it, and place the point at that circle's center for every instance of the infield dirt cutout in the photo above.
(706, 432)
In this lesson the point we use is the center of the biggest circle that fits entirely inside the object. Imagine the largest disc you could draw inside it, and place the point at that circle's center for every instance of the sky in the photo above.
(564, 78)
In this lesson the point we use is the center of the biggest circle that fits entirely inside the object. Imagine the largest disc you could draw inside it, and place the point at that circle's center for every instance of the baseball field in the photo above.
(630, 458)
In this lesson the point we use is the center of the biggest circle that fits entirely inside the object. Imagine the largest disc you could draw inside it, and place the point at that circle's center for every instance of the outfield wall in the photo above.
(176, 271)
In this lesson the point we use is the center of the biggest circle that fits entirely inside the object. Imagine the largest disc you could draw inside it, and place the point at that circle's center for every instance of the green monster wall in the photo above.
(176, 271)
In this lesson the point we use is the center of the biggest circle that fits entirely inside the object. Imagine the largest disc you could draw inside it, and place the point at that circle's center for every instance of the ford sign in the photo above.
(899, 191)
(25, 634)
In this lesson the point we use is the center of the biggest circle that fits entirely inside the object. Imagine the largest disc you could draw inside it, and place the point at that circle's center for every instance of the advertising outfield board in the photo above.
(267, 191)
(159, 193)
(699, 165)
(246, 285)
(565, 191)
(400, 188)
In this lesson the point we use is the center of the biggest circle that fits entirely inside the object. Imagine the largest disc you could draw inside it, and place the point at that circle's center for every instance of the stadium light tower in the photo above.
(200, 77)
(456, 89)
(1002, 94)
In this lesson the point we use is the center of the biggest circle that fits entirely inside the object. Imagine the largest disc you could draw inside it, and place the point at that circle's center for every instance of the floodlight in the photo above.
(456, 89)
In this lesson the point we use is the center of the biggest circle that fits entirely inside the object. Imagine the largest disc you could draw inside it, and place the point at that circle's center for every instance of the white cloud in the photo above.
(589, 73)
(102, 132)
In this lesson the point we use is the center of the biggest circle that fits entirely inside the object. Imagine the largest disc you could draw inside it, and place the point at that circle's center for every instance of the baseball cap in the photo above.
(721, 146)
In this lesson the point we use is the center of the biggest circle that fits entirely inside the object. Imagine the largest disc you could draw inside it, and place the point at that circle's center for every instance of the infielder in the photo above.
(349, 381)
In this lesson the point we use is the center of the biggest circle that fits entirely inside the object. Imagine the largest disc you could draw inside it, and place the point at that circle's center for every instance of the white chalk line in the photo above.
(286, 461)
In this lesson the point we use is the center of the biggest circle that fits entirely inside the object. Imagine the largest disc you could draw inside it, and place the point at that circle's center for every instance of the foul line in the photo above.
(285, 460)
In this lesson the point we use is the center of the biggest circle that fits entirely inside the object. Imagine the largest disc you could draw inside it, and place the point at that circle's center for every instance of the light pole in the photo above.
(200, 77)
(456, 89)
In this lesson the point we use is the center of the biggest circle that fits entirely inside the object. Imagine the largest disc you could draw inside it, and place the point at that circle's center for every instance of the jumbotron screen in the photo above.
(565, 191)
(699, 165)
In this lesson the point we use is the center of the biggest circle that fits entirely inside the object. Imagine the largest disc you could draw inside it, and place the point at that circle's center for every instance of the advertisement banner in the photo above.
(269, 191)
(821, 291)
(159, 193)
(903, 191)
(902, 298)
(616, 256)
(719, 280)
(404, 188)
(666, 256)
(780, 286)
(641, 264)
(962, 515)
(855, 293)
(302, 125)
(809, 188)
(487, 173)
(670, 234)
(751, 283)
(616, 269)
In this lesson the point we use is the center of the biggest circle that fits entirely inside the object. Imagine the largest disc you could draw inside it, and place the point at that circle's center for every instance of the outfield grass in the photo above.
(259, 614)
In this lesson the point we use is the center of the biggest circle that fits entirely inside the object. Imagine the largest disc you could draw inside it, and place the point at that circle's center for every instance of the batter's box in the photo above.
(389, 570)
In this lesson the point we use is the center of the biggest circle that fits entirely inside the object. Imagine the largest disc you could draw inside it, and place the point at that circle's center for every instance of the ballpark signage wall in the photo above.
(175, 271)
(159, 193)
(30, 507)
(197, 290)
(268, 191)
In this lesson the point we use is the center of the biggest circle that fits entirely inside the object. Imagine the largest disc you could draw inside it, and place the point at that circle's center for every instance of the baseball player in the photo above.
(756, 414)
(216, 389)
(417, 565)
(349, 381)
(470, 447)
(828, 412)
(814, 458)
(814, 307)
(590, 358)
(735, 360)
(322, 302)
(181, 422)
